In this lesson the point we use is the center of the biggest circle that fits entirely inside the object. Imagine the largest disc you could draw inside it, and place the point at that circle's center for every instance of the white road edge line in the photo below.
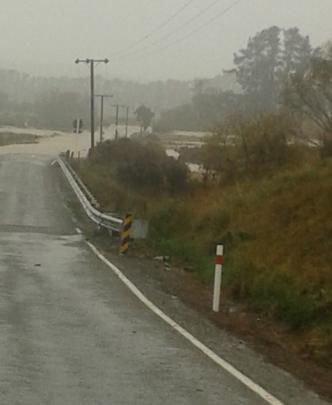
(79, 231)
(260, 391)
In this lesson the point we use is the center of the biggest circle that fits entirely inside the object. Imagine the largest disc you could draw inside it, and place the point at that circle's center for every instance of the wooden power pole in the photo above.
(102, 96)
(92, 62)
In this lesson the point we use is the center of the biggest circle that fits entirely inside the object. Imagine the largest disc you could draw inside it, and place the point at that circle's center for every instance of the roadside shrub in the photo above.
(140, 173)
(326, 148)
(253, 146)
(267, 141)
(176, 174)
(142, 165)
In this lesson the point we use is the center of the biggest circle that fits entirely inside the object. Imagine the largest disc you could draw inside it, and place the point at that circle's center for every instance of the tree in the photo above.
(144, 116)
(271, 55)
(210, 109)
(181, 118)
(206, 111)
(297, 52)
(310, 94)
(258, 68)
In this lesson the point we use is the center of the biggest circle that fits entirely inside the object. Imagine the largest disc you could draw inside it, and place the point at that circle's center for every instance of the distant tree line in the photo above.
(55, 102)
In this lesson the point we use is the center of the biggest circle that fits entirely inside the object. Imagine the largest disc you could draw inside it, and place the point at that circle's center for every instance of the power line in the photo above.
(134, 12)
(171, 18)
(92, 63)
(194, 31)
(176, 30)
(157, 29)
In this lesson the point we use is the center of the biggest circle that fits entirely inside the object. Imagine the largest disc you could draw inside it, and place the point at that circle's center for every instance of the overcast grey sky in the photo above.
(43, 37)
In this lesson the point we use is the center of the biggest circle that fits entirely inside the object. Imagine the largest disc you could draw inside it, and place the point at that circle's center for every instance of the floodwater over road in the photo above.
(55, 142)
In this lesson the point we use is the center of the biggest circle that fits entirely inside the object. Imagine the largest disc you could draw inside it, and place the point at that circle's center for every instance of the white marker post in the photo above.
(218, 278)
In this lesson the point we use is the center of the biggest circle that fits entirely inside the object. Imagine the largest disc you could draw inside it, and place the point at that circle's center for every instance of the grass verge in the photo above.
(277, 233)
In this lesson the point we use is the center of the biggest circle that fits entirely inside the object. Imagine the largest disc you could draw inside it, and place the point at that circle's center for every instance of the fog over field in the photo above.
(145, 39)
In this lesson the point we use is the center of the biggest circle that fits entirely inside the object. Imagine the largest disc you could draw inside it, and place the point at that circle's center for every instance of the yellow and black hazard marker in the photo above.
(125, 234)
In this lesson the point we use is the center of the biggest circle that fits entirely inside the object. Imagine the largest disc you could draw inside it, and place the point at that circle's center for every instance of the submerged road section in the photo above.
(70, 331)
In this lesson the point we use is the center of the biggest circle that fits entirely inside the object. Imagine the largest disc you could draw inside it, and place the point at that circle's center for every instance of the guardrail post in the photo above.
(125, 234)
(218, 277)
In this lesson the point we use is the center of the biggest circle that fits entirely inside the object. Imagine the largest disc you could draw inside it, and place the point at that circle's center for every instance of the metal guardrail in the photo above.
(83, 187)
(106, 221)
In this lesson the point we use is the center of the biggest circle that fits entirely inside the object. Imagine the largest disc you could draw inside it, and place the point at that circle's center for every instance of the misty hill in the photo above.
(159, 95)
(22, 88)
(226, 82)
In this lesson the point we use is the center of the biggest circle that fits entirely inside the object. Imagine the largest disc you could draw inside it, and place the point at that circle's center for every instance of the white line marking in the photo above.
(269, 398)
(79, 231)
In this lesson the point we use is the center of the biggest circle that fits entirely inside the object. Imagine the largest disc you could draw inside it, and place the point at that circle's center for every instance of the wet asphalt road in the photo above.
(70, 332)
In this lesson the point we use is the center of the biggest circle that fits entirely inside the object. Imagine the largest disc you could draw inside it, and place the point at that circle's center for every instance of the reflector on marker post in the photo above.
(218, 278)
